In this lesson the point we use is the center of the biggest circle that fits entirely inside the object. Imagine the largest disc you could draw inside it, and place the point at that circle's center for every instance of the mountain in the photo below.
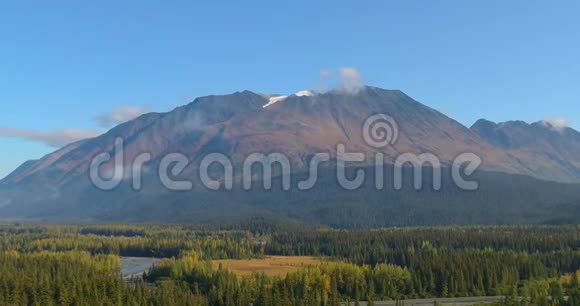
(539, 148)
(57, 187)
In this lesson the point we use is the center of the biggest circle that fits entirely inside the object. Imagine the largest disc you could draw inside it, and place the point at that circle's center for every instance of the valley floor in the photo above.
(262, 263)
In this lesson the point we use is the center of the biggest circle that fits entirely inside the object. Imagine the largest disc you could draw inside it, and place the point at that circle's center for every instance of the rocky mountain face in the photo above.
(297, 125)
(540, 149)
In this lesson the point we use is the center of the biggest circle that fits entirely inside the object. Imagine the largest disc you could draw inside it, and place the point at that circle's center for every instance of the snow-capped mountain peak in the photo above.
(275, 99)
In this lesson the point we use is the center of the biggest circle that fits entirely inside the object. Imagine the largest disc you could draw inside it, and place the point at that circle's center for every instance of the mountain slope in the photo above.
(297, 126)
(538, 147)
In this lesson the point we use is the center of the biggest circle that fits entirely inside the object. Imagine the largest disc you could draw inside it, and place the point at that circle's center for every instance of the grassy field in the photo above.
(271, 266)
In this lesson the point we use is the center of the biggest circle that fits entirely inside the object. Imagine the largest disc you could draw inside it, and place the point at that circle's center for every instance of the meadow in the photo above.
(271, 265)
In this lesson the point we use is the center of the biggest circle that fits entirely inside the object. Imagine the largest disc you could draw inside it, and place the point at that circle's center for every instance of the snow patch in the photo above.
(304, 93)
(275, 99)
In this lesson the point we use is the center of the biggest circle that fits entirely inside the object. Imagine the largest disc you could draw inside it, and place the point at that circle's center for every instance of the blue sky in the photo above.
(65, 63)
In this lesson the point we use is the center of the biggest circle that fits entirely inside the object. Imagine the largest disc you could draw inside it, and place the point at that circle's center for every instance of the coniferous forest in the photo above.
(81, 265)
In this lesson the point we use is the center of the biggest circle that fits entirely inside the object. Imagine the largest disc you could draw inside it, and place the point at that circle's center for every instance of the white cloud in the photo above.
(556, 124)
(350, 80)
(120, 115)
(63, 137)
(57, 138)
(192, 122)
(326, 73)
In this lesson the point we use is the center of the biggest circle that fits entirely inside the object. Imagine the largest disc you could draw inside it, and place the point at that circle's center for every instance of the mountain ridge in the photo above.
(298, 126)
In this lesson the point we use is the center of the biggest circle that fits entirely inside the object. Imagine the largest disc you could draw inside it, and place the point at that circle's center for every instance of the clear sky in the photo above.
(70, 65)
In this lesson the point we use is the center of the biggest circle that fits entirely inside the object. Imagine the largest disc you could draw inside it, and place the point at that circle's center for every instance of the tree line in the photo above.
(79, 265)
